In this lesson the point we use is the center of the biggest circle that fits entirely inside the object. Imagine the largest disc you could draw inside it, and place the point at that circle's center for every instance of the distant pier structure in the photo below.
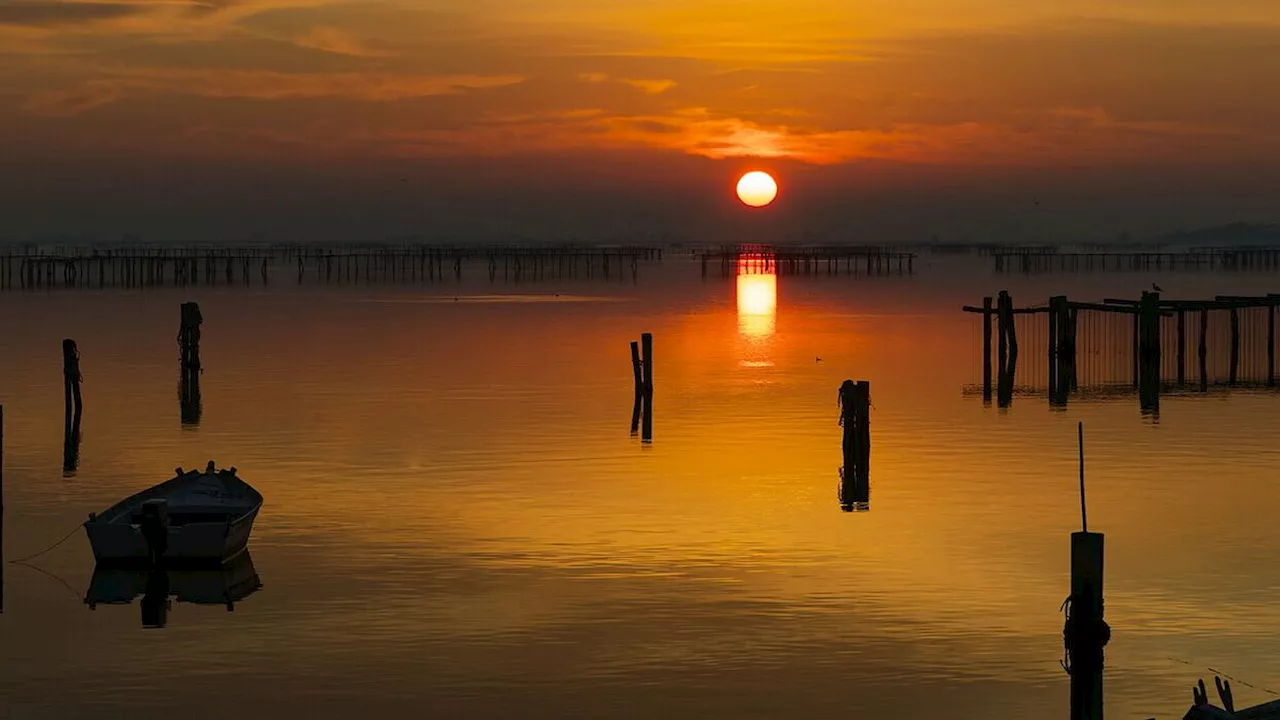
(141, 266)
(834, 260)
(1149, 346)
(1050, 259)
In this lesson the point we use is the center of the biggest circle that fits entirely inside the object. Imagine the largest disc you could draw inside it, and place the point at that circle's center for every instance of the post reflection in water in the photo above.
(757, 306)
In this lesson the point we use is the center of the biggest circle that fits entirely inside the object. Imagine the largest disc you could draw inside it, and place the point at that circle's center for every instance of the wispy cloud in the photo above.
(257, 85)
(652, 87)
(335, 40)
(52, 14)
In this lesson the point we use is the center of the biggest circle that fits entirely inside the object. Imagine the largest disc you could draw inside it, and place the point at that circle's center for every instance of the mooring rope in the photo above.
(1232, 678)
(51, 547)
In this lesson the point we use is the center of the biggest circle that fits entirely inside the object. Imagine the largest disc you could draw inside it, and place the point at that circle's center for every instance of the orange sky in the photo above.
(954, 83)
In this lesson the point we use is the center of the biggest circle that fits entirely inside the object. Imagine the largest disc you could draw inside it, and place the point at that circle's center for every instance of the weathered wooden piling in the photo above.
(1085, 632)
(1182, 346)
(1056, 304)
(637, 373)
(1271, 344)
(1235, 345)
(2, 560)
(855, 418)
(189, 335)
(986, 349)
(74, 406)
(646, 345)
(1203, 350)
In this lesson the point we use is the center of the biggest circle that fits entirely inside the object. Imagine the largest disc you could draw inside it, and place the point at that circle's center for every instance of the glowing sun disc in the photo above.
(757, 189)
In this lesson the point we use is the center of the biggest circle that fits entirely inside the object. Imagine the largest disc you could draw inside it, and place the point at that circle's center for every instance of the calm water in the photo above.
(457, 523)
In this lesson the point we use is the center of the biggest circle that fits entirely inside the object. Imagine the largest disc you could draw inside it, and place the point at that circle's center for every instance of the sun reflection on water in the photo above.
(757, 308)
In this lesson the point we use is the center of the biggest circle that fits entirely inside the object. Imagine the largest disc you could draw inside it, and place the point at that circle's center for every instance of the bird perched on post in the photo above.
(1156, 287)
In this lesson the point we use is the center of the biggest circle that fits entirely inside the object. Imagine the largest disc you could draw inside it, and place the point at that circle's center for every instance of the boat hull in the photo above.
(196, 543)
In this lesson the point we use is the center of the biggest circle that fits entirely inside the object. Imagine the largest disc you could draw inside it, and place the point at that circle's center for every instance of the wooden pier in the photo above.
(1149, 345)
(1049, 260)
(852, 260)
(32, 268)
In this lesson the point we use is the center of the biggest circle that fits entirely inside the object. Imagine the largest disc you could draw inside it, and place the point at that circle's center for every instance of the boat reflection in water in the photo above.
(757, 307)
(226, 585)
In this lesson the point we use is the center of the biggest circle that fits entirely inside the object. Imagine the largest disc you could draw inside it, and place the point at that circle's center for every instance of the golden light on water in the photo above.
(757, 297)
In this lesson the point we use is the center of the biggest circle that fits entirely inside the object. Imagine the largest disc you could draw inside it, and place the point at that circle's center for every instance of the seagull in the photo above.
(1156, 287)
(817, 359)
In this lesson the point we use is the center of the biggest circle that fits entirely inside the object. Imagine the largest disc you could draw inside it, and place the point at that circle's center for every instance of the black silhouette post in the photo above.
(189, 336)
(855, 418)
(1055, 314)
(2, 561)
(1235, 345)
(189, 400)
(1085, 632)
(1182, 347)
(986, 350)
(646, 346)
(1271, 343)
(1008, 351)
(639, 387)
(1149, 351)
(1204, 350)
(74, 406)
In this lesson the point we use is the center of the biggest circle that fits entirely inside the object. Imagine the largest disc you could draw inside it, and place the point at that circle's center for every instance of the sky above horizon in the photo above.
(405, 116)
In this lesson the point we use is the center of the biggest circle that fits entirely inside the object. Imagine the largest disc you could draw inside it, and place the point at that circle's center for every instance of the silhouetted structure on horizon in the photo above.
(144, 266)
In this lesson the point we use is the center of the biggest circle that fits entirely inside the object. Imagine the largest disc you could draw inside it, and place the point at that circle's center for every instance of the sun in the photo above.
(757, 189)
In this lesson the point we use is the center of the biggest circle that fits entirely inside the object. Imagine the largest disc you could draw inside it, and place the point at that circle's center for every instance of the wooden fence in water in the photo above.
(1067, 349)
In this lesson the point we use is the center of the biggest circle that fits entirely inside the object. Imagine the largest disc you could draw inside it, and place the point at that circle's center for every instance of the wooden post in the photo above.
(855, 418)
(986, 350)
(1003, 334)
(1235, 345)
(1137, 353)
(1055, 317)
(1086, 632)
(1271, 343)
(639, 387)
(1012, 330)
(74, 406)
(1, 468)
(1182, 346)
(189, 335)
(862, 399)
(1204, 349)
(646, 345)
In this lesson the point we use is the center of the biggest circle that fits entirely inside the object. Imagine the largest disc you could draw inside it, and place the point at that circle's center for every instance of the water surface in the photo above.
(457, 522)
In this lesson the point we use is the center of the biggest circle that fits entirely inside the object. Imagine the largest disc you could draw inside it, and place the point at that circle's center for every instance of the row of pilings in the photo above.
(151, 266)
(1168, 345)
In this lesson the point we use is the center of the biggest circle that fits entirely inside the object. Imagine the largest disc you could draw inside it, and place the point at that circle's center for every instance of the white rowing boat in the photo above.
(194, 517)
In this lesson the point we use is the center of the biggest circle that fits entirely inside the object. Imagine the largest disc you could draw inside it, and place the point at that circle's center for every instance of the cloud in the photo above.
(334, 40)
(258, 85)
(47, 14)
(594, 77)
(652, 87)
(1055, 137)
(66, 103)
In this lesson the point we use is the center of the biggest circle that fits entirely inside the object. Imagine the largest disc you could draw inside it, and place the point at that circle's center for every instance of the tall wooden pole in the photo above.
(1235, 345)
(1271, 344)
(1182, 346)
(637, 373)
(1204, 350)
(986, 349)
(646, 346)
